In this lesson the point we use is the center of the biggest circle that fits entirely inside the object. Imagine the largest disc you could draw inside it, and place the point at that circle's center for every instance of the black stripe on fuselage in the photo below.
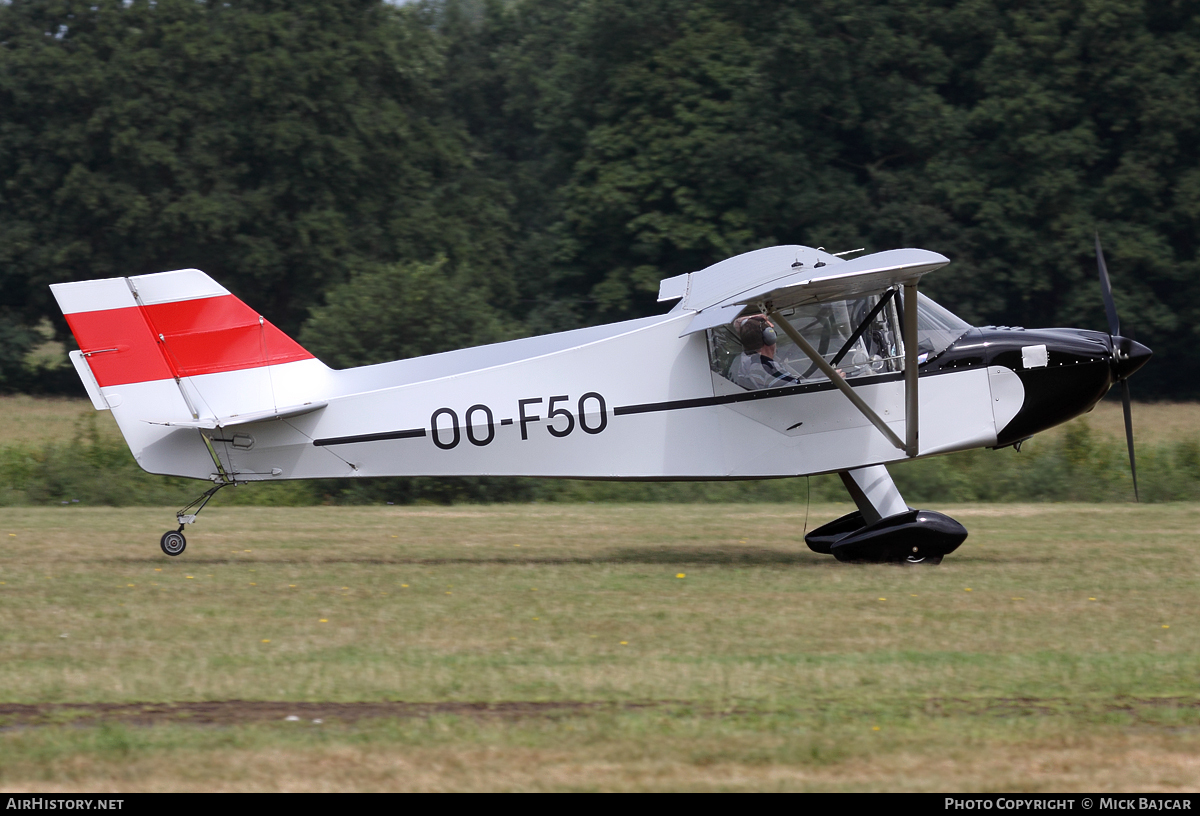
(749, 396)
(412, 433)
(652, 407)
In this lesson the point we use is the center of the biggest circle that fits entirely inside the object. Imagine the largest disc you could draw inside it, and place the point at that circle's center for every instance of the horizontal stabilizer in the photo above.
(209, 423)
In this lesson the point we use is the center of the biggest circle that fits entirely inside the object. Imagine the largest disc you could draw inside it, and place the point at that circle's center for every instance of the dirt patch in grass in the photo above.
(1135, 709)
(241, 712)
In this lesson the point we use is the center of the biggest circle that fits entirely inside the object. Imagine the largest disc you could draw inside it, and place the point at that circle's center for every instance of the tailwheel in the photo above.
(172, 542)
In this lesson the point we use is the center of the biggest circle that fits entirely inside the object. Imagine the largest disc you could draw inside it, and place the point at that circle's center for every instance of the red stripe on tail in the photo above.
(217, 334)
(119, 346)
(202, 336)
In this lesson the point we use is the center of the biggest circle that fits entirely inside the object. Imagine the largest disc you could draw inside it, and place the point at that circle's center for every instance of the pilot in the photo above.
(756, 367)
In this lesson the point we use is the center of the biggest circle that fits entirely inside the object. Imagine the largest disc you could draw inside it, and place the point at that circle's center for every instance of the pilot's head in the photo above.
(756, 332)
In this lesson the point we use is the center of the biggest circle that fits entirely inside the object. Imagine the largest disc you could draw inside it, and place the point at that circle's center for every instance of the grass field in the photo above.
(37, 420)
(610, 647)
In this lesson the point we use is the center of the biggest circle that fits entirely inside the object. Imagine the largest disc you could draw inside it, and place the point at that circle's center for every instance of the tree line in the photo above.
(390, 180)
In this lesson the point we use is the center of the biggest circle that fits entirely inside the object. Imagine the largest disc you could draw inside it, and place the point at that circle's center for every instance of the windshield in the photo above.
(937, 328)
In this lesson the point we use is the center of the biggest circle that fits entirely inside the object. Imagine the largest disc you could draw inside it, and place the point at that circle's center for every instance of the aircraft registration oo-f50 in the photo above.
(785, 361)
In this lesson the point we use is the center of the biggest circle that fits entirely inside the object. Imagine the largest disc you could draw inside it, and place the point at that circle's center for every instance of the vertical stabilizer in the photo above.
(177, 347)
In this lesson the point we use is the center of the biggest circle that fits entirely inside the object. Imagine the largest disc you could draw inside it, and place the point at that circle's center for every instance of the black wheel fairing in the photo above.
(919, 533)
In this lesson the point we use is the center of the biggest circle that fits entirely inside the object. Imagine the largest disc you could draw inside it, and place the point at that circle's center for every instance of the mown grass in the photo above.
(1058, 649)
(28, 420)
(623, 751)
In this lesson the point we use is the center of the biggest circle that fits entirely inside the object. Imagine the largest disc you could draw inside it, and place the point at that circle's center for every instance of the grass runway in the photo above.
(596, 647)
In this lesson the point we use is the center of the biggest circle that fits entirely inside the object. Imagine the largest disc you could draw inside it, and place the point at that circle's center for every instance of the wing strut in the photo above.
(911, 423)
(837, 379)
(909, 330)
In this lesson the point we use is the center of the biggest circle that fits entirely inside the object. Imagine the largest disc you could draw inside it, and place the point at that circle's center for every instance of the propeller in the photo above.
(1124, 352)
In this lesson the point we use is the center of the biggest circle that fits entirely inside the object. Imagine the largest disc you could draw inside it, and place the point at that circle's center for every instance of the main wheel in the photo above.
(172, 543)
(926, 560)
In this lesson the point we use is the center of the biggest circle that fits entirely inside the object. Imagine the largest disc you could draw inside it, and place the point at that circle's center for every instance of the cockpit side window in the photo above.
(858, 337)
(854, 336)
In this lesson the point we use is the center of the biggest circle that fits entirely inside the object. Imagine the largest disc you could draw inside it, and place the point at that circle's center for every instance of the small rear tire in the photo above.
(172, 543)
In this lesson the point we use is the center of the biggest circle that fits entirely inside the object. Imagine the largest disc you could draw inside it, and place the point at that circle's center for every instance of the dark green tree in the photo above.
(396, 311)
(278, 146)
(663, 135)
(561, 156)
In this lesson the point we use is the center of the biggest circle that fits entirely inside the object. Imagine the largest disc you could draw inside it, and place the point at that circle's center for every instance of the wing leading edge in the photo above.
(791, 276)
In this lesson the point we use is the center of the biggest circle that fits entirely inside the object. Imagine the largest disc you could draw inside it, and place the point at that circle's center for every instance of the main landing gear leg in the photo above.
(885, 529)
(172, 541)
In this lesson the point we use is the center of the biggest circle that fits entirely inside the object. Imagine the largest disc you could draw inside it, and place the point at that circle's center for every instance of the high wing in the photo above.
(862, 276)
(791, 276)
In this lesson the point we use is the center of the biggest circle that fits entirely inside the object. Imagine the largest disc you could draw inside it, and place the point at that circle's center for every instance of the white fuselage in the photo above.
(626, 400)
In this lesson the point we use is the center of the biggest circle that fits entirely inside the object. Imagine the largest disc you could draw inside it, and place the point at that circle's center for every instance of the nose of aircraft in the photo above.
(1128, 357)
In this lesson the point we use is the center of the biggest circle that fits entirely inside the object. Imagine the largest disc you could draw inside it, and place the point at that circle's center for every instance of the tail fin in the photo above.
(177, 349)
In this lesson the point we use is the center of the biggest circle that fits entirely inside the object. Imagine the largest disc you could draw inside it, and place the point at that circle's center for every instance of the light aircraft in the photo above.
(863, 372)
